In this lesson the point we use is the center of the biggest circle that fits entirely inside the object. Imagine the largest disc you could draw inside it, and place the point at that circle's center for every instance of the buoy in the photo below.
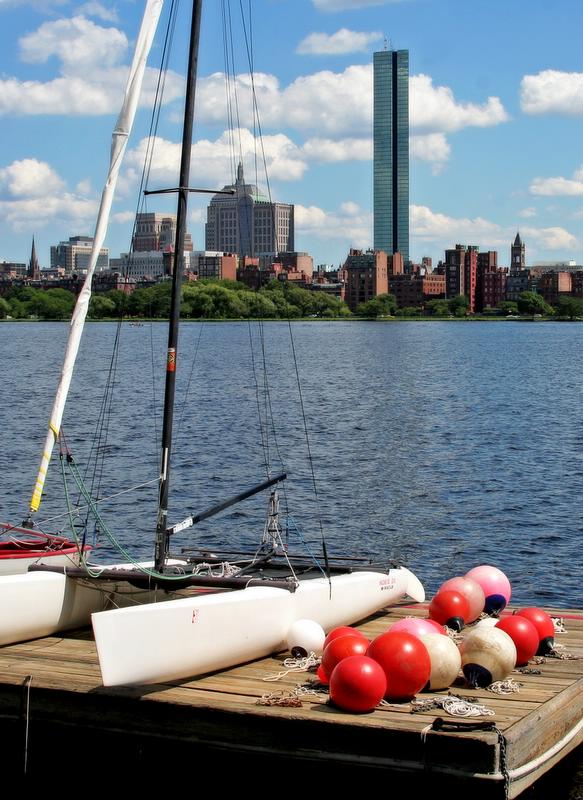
(471, 590)
(305, 636)
(524, 635)
(342, 647)
(544, 625)
(405, 661)
(496, 587)
(321, 675)
(488, 655)
(449, 608)
(357, 683)
(446, 660)
(342, 630)
(418, 626)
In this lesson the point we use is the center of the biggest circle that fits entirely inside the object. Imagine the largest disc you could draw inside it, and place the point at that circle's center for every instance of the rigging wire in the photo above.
(96, 463)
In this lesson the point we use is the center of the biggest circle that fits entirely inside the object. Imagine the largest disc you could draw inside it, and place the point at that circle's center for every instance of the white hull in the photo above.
(178, 639)
(19, 566)
(43, 603)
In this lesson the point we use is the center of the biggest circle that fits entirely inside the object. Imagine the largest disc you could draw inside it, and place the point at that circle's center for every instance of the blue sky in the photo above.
(496, 112)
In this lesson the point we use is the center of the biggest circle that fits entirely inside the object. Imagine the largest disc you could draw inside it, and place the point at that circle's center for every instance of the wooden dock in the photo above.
(52, 703)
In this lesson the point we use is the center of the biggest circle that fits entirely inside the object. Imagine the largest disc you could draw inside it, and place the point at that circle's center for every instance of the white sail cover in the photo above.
(118, 145)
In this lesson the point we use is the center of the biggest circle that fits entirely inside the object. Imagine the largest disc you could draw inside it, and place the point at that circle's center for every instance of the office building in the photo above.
(74, 255)
(155, 231)
(391, 152)
(247, 223)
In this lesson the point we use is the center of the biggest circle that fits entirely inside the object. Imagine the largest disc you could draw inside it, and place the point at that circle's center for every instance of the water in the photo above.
(441, 444)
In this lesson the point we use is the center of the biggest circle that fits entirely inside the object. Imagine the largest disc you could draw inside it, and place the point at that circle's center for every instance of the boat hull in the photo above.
(178, 639)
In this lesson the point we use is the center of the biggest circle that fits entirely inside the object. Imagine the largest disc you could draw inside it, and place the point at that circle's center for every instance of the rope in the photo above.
(452, 704)
(26, 684)
(304, 664)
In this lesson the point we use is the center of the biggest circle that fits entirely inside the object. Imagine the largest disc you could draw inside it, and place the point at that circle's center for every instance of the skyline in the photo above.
(496, 100)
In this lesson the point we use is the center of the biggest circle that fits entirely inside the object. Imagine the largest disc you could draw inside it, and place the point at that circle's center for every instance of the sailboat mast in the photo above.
(161, 544)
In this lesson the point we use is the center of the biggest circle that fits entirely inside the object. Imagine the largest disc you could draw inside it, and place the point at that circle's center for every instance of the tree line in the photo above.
(224, 299)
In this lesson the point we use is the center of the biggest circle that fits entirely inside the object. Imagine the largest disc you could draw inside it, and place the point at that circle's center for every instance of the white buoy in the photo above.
(488, 655)
(305, 636)
(446, 660)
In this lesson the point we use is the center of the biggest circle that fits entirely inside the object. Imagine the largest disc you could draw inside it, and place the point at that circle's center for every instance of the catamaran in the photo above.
(178, 617)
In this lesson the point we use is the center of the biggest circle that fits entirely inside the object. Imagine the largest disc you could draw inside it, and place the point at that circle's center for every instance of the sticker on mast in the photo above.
(171, 360)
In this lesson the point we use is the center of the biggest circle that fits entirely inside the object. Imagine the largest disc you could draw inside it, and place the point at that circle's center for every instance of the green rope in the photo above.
(96, 572)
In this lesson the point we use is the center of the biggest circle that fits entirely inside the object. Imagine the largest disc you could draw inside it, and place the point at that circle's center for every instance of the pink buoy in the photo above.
(471, 590)
(496, 587)
(418, 626)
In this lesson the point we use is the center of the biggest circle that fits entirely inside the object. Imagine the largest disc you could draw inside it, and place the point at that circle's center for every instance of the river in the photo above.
(439, 444)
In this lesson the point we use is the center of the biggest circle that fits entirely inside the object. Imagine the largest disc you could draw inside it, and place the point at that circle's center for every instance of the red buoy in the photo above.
(544, 625)
(358, 683)
(340, 648)
(450, 608)
(405, 661)
(342, 630)
(523, 634)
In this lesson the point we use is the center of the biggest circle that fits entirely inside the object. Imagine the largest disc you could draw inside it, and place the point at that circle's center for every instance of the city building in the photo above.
(33, 271)
(414, 290)
(517, 254)
(209, 264)
(366, 276)
(247, 223)
(492, 288)
(155, 231)
(461, 269)
(73, 256)
(553, 285)
(391, 151)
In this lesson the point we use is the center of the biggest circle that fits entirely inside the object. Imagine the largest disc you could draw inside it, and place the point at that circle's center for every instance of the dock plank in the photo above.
(220, 713)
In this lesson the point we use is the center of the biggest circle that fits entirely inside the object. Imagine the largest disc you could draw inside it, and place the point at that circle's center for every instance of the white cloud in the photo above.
(95, 9)
(434, 108)
(83, 187)
(350, 224)
(212, 161)
(552, 239)
(91, 80)
(432, 147)
(431, 225)
(31, 192)
(78, 43)
(339, 107)
(123, 217)
(527, 212)
(552, 92)
(552, 187)
(343, 41)
(29, 178)
(325, 150)
(431, 228)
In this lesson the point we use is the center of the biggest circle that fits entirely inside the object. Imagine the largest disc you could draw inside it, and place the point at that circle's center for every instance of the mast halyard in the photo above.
(162, 536)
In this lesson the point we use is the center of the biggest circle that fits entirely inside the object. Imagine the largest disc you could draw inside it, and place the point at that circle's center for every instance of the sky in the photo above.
(496, 113)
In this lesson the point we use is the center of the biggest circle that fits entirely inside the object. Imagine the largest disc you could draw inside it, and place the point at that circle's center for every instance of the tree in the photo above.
(458, 306)
(571, 307)
(101, 306)
(507, 307)
(438, 308)
(532, 303)
(4, 308)
(383, 305)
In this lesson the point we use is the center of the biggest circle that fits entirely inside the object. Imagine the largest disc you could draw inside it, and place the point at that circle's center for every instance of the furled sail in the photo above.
(118, 145)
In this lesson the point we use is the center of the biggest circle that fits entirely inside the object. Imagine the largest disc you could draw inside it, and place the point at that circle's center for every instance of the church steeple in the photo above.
(33, 271)
(517, 254)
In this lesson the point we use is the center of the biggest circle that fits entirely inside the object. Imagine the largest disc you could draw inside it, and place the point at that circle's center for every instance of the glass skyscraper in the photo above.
(391, 152)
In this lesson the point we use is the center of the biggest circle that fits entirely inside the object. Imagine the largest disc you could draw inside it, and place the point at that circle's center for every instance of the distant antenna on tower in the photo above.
(387, 43)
